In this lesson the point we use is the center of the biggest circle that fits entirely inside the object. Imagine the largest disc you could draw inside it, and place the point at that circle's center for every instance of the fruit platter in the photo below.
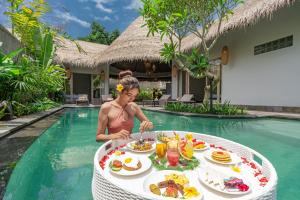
(224, 183)
(175, 154)
(198, 145)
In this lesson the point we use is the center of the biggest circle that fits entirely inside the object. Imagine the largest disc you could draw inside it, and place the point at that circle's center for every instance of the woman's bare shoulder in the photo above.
(133, 106)
(106, 107)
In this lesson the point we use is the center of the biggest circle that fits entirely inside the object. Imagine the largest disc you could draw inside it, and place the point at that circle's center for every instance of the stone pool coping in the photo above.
(11, 126)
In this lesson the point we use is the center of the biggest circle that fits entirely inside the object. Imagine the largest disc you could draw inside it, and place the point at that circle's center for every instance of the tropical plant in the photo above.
(28, 108)
(7, 66)
(25, 21)
(35, 76)
(9, 71)
(145, 94)
(2, 111)
(175, 19)
(220, 109)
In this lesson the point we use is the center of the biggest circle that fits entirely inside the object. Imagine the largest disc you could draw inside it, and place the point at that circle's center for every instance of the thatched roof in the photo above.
(244, 14)
(77, 53)
(133, 45)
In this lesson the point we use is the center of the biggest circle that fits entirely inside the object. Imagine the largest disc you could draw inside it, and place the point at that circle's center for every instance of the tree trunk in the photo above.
(206, 93)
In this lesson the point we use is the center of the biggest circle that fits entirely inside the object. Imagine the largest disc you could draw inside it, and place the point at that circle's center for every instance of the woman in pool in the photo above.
(118, 115)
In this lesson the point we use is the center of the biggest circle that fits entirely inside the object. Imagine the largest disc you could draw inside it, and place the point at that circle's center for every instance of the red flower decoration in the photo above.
(243, 187)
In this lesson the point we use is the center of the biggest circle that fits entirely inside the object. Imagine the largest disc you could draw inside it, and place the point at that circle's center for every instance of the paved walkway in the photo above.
(7, 127)
(251, 114)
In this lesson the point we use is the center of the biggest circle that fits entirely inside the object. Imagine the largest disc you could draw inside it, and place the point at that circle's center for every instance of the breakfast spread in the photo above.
(178, 154)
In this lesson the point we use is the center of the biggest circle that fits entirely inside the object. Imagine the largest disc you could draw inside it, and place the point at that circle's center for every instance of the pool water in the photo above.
(59, 164)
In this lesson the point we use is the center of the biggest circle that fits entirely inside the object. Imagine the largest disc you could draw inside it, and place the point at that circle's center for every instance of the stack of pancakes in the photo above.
(221, 156)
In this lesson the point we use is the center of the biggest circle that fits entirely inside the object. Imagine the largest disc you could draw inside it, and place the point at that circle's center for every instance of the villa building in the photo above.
(263, 41)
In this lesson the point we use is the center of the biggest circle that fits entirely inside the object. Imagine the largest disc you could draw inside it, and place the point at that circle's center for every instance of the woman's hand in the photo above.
(145, 125)
(123, 134)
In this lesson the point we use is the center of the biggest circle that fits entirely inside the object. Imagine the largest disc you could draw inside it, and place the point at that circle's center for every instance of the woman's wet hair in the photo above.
(128, 81)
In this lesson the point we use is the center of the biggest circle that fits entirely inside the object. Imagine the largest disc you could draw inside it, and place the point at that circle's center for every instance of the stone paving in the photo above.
(251, 114)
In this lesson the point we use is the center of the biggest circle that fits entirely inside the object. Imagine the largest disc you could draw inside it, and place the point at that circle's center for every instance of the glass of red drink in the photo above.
(173, 157)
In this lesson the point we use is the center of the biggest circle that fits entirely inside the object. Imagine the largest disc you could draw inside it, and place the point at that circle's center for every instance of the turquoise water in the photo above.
(59, 164)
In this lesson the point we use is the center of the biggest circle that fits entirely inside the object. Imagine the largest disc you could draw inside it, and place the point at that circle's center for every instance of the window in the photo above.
(274, 45)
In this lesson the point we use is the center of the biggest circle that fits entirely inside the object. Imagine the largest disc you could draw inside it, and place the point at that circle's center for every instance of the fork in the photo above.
(141, 140)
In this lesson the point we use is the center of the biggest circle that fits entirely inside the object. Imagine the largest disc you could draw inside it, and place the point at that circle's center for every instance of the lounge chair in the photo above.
(164, 99)
(186, 98)
(71, 98)
(161, 101)
(106, 98)
(82, 99)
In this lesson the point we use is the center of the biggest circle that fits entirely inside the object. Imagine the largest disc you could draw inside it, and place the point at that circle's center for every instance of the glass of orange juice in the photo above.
(161, 149)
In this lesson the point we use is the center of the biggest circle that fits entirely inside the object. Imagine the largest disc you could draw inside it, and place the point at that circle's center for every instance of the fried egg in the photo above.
(131, 162)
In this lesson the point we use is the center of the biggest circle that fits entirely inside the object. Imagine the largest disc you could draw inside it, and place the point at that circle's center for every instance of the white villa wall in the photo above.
(268, 79)
(8, 42)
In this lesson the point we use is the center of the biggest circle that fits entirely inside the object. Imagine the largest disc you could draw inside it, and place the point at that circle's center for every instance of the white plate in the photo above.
(218, 175)
(146, 164)
(159, 176)
(234, 158)
(205, 148)
(129, 146)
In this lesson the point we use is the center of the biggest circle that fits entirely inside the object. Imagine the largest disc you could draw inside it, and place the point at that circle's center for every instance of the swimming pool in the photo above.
(59, 164)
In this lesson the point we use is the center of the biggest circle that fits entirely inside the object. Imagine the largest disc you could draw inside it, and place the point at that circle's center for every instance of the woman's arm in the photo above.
(145, 122)
(102, 123)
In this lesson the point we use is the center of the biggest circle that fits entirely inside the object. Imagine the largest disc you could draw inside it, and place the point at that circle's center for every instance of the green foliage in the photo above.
(28, 108)
(2, 111)
(198, 63)
(30, 79)
(46, 45)
(7, 66)
(25, 20)
(114, 35)
(145, 94)
(100, 35)
(168, 52)
(218, 109)
(175, 19)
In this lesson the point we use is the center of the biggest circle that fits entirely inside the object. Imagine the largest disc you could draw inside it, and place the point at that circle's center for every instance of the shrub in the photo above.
(219, 109)
(25, 109)
(145, 94)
